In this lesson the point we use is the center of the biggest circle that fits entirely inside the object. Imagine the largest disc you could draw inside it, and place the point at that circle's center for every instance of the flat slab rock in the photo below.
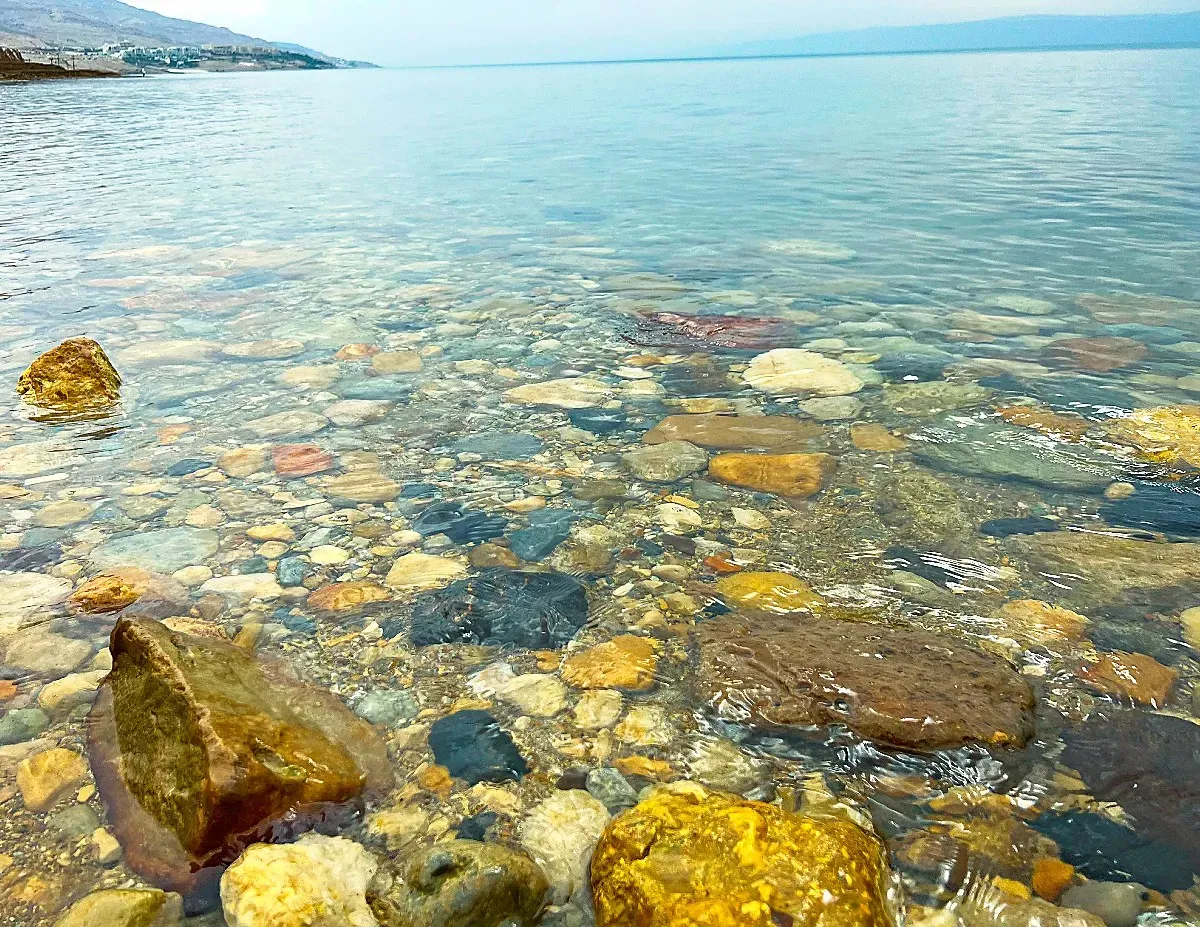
(200, 749)
(731, 432)
(906, 688)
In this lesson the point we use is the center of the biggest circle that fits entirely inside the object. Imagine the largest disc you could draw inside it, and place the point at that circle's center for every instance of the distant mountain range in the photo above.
(1015, 32)
(30, 24)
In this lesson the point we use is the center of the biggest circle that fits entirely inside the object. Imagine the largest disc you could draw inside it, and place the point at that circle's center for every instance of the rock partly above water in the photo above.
(502, 606)
(688, 856)
(76, 376)
(460, 883)
(315, 881)
(198, 748)
(901, 687)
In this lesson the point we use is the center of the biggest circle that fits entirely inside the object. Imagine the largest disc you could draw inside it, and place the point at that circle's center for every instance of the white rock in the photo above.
(245, 586)
(567, 393)
(677, 518)
(70, 691)
(350, 412)
(598, 709)
(560, 834)
(423, 571)
(748, 518)
(808, 249)
(787, 371)
(37, 457)
(22, 593)
(298, 423)
(315, 882)
(536, 694)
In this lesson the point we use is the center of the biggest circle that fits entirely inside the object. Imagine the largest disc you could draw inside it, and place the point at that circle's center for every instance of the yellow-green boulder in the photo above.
(76, 376)
(690, 857)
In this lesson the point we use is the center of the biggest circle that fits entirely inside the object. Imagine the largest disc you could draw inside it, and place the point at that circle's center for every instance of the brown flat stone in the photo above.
(340, 597)
(794, 475)
(769, 432)
(1134, 676)
(1099, 355)
(200, 749)
(902, 687)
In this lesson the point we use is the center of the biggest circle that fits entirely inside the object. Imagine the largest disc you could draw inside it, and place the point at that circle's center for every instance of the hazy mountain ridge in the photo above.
(91, 23)
(1015, 32)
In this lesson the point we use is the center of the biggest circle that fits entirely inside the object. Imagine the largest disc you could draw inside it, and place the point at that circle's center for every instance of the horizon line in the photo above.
(683, 59)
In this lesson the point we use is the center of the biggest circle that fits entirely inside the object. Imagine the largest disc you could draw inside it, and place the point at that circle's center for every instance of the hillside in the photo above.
(92, 23)
(1017, 32)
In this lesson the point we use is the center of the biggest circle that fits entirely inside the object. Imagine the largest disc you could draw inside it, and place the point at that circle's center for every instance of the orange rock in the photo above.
(169, 434)
(625, 662)
(795, 475)
(1051, 877)
(1058, 424)
(8, 690)
(547, 660)
(1040, 622)
(357, 352)
(1132, 675)
(436, 779)
(869, 436)
(340, 597)
(109, 592)
(296, 460)
(720, 563)
(658, 770)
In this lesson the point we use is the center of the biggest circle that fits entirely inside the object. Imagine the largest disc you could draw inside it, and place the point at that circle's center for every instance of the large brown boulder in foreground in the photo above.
(903, 687)
(77, 376)
(201, 749)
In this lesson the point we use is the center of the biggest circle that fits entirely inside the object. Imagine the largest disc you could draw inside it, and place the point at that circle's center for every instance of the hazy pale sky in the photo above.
(463, 31)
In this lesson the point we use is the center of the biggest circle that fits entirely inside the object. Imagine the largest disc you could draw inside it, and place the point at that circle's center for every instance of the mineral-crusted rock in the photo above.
(315, 882)
(73, 377)
(461, 883)
(688, 856)
(560, 834)
(128, 907)
(903, 687)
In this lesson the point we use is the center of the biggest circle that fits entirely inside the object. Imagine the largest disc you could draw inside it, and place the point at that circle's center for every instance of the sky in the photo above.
(398, 32)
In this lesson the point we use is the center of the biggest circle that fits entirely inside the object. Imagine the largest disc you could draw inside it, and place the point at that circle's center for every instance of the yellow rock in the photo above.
(423, 571)
(109, 592)
(390, 362)
(1040, 622)
(1190, 620)
(777, 592)
(46, 777)
(687, 857)
(275, 532)
(796, 475)
(1168, 434)
(75, 376)
(62, 514)
(871, 436)
(243, 461)
(625, 662)
(340, 597)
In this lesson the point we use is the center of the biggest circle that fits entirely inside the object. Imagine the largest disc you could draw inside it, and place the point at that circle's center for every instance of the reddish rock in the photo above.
(725, 331)
(769, 432)
(1099, 355)
(199, 749)
(297, 460)
(902, 687)
(1135, 676)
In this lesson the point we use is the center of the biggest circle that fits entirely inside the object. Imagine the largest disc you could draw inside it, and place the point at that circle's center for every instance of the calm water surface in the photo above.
(994, 261)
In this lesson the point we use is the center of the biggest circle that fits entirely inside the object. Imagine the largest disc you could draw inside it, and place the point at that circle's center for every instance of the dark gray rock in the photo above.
(472, 746)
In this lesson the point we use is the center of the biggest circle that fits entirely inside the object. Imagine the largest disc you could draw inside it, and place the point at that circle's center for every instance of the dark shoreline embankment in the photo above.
(14, 67)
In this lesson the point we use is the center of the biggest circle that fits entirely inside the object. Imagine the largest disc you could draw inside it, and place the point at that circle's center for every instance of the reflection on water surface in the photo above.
(496, 445)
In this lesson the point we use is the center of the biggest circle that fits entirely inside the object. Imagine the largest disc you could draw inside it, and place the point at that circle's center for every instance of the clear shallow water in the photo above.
(939, 220)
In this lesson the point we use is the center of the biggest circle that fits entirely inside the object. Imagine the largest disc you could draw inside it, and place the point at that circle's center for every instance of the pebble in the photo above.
(560, 834)
(536, 694)
(163, 551)
(1118, 904)
(46, 777)
(19, 725)
(416, 571)
(387, 707)
(598, 709)
(244, 587)
(472, 746)
(665, 463)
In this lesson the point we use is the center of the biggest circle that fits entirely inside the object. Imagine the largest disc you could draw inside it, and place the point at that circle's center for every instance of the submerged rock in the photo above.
(730, 432)
(1150, 765)
(1170, 508)
(902, 687)
(76, 376)
(791, 371)
(129, 907)
(998, 452)
(1098, 355)
(462, 526)
(665, 463)
(315, 882)
(502, 606)
(1115, 571)
(689, 856)
(472, 746)
(162, 551)
(461, 883)
(198, 748)
(560, 834)
(794, 475)
(1167, 434)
